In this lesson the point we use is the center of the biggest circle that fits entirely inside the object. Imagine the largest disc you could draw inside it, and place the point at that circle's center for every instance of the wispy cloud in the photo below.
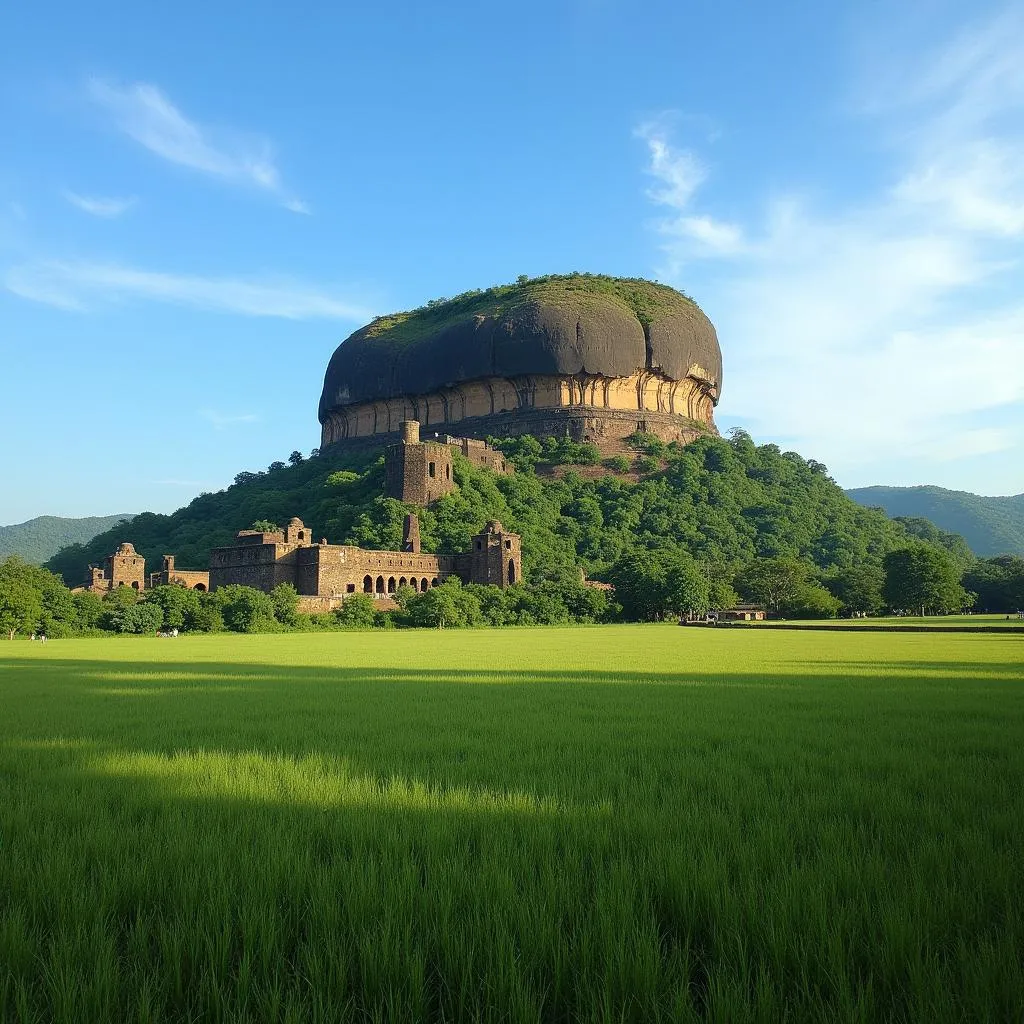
(883, 327)
(145, 114)
(221, 420)
(83, 286)
(100, 206)
(678, 174)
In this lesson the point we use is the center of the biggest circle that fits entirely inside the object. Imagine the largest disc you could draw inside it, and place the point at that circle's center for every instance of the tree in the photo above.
(449, 605)
(650, 583)
(21, 606)
(143, 617)
(295, 458)
(178, 605)
(275, 466)
(686, 588)
(998, 583)
(721, 595)
(925, 578)
(356, 611)
(265, 526)
(245, 609)
(810, 601)
(858, 587)
(285, 599)
(772, 581)
(88, 609)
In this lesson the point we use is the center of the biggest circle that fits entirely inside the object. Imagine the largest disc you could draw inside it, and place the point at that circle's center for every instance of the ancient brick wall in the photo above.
(342, 569)
(418, 473)
(262, 566)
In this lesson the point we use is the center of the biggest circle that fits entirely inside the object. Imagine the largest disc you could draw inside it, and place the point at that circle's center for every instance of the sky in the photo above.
(199, 202)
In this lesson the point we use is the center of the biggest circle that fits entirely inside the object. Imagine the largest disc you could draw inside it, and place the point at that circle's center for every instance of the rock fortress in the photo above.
(593, 358)
(596, 358)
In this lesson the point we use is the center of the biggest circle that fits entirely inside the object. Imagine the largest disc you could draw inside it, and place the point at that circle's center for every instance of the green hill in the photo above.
(41, 538)
(723, 501)
(991, 526)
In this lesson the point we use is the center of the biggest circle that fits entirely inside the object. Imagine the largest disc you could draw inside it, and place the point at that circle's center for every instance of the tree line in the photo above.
(675, 529)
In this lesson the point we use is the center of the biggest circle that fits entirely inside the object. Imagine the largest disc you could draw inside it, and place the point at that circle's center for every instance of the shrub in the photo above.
(246, 610)
(617, 463)
(356, 612)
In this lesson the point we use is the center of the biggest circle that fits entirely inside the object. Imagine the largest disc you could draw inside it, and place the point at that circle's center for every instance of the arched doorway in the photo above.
(380, 584)
(367, 584)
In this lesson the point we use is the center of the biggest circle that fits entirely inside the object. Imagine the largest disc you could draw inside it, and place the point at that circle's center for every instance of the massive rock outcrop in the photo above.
(596, 357)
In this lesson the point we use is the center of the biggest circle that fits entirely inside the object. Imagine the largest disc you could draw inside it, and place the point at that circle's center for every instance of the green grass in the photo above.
(646, 300)
(959, 621)
(625, 823)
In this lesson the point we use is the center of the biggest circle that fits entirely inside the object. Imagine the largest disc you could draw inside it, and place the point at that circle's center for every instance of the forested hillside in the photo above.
(41, 538)
(991, 526)
(725, 502)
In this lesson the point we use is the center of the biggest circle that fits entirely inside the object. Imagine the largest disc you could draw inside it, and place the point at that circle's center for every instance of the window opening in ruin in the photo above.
(423, 584)
(380, 584)
(302, 535)
(511, 571)
(508, 545)
(479, 546)
(350, 588)
(448, 472)
(391, 584)
(433, 582)
(200, 587)
(135, 584)
(403, 582)
(430, 470)
(367, 584)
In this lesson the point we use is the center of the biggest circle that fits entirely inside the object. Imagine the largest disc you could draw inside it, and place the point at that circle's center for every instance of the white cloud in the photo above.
(83, 286)
(887, 327)
(679, 174)
(220, 420)
(145, 114)
(100, 206)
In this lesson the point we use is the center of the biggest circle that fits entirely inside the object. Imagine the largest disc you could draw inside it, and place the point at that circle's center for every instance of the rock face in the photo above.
(596, 357)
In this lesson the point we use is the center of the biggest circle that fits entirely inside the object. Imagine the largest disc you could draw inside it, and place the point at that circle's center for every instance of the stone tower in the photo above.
(416, 471)
(496, 557)
(126, 568)
(411, 534)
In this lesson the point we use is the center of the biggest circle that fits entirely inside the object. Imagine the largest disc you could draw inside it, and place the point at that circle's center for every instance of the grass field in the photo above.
(916, 621)
(622, 823)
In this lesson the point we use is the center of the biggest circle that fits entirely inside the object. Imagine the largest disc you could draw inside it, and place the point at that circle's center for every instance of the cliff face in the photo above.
(548, 343)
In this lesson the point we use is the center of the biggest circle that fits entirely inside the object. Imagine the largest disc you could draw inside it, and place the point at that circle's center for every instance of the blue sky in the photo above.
(197, 206)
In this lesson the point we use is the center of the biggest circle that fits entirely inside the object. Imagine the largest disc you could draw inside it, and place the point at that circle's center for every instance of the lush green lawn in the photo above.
(959, 621)
(610, 823)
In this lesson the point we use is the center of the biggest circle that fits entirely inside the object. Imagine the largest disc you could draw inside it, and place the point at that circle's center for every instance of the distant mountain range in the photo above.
(41, 538)
(991, 526)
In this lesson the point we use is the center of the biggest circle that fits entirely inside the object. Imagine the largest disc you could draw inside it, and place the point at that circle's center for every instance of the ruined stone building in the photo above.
(190, 578)
(127, 568)
(124, 568)
(420, 471)
(596, 359)
(330, 572)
